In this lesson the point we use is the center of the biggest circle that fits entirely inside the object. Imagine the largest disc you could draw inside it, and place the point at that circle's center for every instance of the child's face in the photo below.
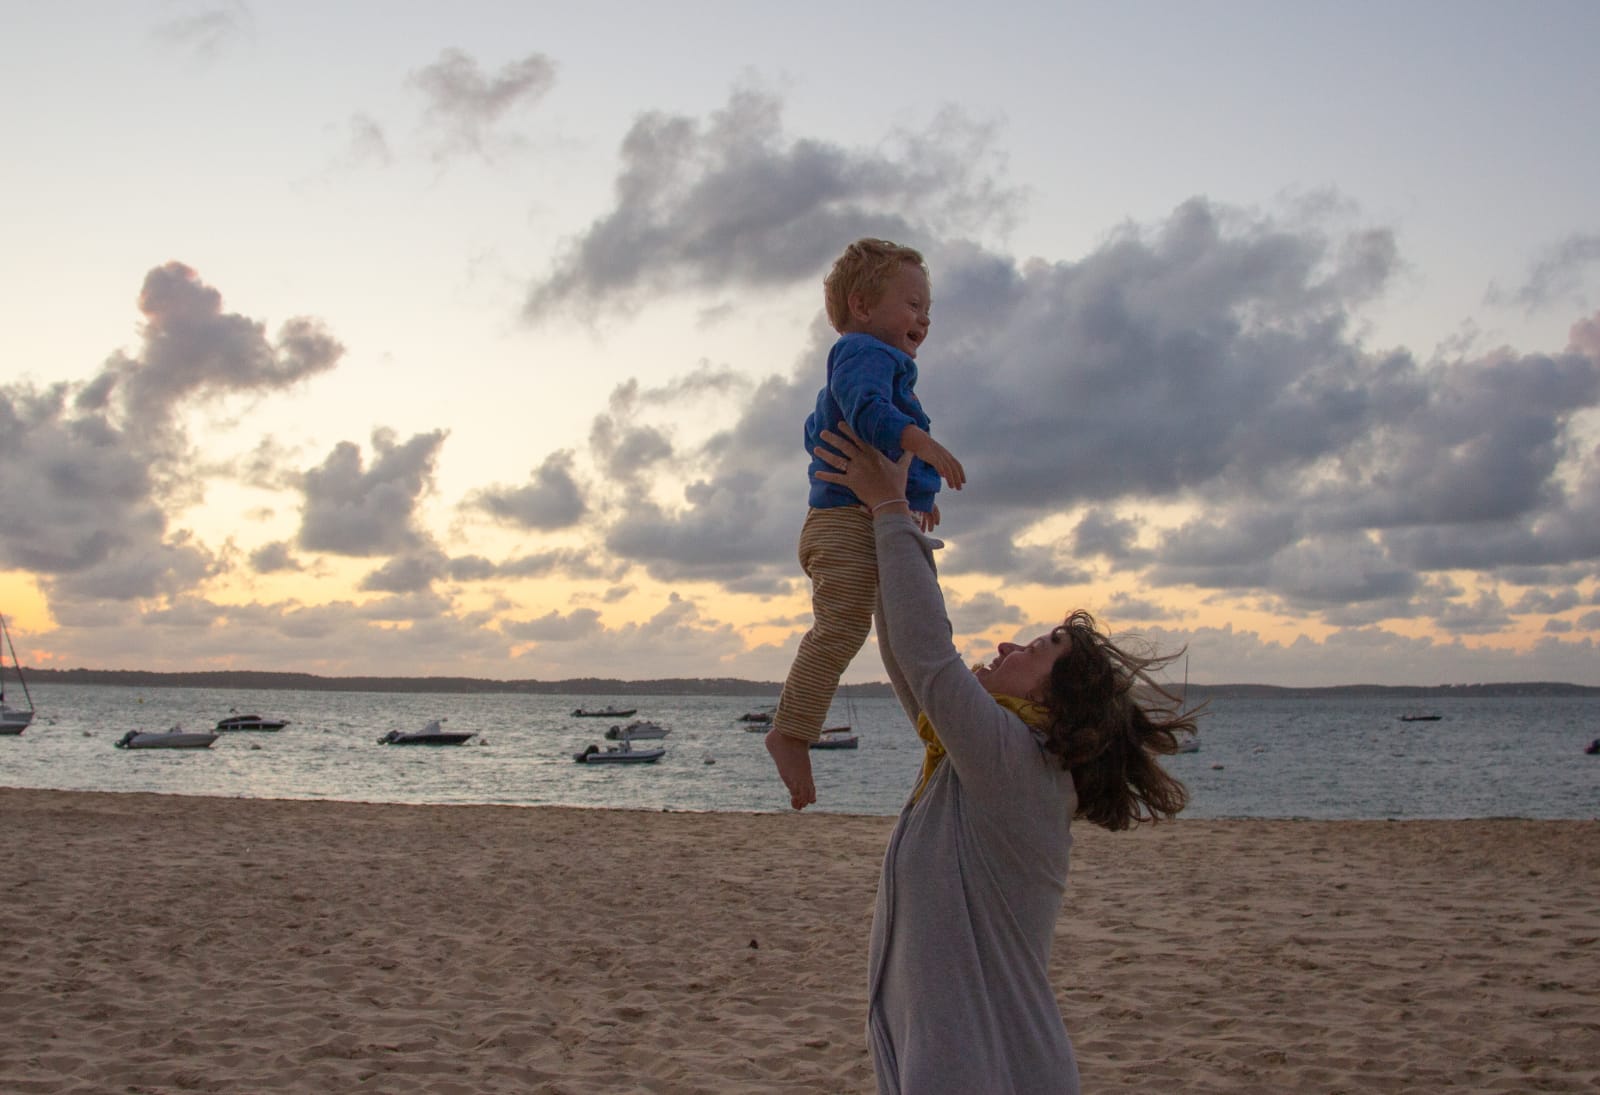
(900, 316)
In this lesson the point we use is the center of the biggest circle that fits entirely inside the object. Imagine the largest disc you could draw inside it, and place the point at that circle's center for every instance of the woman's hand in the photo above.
(872, 476)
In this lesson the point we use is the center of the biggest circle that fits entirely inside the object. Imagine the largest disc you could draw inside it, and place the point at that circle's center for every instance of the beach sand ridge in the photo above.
(165, 944)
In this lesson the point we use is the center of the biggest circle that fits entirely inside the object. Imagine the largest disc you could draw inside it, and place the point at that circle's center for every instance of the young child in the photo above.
(878, 299)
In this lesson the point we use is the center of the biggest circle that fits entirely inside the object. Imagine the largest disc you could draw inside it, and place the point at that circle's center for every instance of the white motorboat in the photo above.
(431, 734)
(175, 738)
(619, 754)
(13, 720)
(639, 728)
(250, 722)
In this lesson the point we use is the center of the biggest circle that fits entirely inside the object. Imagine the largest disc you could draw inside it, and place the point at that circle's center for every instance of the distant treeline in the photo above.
(715, 686)
(1397, 691)
(309, 682)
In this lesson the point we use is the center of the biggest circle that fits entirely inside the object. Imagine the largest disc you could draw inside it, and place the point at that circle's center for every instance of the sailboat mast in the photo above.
(23, 680)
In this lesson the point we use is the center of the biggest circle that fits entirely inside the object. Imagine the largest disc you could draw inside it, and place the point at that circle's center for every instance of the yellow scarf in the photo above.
(1036, 715)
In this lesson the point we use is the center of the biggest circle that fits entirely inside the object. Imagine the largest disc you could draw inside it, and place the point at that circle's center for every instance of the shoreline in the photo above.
(162, 942)
(733, 688)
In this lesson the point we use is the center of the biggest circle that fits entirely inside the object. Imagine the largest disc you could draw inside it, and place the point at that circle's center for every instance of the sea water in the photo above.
(1318, 757)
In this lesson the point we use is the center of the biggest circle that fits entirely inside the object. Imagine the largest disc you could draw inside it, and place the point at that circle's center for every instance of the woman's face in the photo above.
(1023, 671)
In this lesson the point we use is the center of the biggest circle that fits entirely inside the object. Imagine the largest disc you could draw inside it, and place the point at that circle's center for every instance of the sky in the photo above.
(476, 339)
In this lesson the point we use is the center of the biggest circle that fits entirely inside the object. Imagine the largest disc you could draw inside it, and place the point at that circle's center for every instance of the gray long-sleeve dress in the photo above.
(959, 995)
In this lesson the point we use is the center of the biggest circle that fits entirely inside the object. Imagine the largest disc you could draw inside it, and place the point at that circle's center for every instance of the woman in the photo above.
(959, 991)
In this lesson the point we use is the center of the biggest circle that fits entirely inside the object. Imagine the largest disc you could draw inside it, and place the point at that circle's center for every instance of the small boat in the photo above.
(1190, 744)
(175, 738)
(1420, 718)
(642, 728)
(1593, 748)
(13, 720)
(250, 722)
(431, 734)
(604, 712)
(755, 716)
(836, 737)
(619, 754)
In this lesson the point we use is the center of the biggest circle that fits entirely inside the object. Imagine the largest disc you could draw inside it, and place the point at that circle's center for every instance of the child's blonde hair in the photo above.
(865, 268)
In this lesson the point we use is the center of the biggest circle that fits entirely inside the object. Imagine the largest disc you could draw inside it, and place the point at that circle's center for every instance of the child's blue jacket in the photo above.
(872, 386)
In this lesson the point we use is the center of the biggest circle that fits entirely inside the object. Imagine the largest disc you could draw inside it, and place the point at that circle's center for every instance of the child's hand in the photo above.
(945, 464)
(929, 521)
(921, 444)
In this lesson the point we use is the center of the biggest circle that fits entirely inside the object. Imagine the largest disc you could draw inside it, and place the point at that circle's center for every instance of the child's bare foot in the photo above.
(793, 758)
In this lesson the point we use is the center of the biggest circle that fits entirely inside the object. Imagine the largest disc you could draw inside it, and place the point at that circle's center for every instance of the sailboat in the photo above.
(13, 720)
(840, 737)
(1190, 744)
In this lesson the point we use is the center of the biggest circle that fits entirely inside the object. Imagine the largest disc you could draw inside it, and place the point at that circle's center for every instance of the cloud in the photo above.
(1209, 364)
(736, 202)
(97, 466)
(1547, 602)
(1187, 408)
(464, 104)
(196, 633)
(1484, 615)
(269, 466)
(366, 143)
(274, 558)
(470, 568)
(412, 607)
(1558, 276)
(575, 563)
(626, 453)
(994, 549)
(1205, 352)
(676, 642)
(1210, 347)
(554, 627)
(981, 612)
(208, 30)
(1557, 524)
(1122, 607)
(86, 485)
(194, 350)
(553, 500)
(1101, 531)
(630, 450)
(351, 510)
(741, 512)
(414, 572)
(140, 566)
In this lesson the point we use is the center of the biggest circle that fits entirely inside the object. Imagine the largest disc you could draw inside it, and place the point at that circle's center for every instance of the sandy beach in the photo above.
(164, 944)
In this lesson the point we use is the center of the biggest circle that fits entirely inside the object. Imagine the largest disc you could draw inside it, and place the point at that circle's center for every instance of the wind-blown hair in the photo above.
(1110, 722)
(866, 267)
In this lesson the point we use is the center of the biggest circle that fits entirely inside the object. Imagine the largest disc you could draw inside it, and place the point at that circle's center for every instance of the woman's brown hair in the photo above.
(1111, 722)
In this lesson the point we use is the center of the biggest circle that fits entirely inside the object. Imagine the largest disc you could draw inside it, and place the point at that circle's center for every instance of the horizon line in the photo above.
(263, 677)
